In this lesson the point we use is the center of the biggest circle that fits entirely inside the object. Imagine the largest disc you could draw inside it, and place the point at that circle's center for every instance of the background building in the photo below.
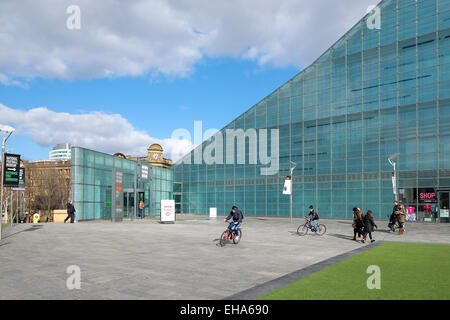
(374, 93)
(61, 152)
(47, 184)
(154, 157)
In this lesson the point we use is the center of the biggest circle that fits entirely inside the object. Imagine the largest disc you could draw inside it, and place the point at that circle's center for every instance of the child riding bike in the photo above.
(237, 216)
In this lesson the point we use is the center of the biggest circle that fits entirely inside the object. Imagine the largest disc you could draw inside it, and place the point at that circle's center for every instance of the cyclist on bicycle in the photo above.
(314, 220)
(237, 216)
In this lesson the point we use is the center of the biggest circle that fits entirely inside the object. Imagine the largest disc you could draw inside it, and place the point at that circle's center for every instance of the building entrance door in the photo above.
(128, 204)
(444, 206)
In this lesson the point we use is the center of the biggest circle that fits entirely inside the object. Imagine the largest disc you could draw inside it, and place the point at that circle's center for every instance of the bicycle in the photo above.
(303, 228)
(230, 234)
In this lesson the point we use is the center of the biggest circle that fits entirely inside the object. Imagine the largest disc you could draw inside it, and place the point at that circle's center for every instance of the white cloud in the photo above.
(139, 37)
(108, 133)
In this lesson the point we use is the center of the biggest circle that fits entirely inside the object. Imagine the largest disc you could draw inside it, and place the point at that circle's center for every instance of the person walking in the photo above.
(400, 217)
(358, 223)
(141, 209)
(70, 212)
(369, 225)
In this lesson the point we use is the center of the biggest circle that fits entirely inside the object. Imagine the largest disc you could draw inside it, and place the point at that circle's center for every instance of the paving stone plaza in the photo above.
(149, 260)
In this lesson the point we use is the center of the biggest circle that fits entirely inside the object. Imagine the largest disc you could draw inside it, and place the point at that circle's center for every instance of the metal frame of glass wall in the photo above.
(374, 93)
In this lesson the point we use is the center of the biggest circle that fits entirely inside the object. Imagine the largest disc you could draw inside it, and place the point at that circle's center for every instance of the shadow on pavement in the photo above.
(383, 231)
(341, 236)
(33, 228)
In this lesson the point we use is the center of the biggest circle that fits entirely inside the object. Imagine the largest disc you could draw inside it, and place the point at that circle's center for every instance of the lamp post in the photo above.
(8, 131)
(292, 165)
(394, 174)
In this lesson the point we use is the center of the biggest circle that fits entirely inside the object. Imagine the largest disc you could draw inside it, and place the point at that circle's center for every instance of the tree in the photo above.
(49, 190)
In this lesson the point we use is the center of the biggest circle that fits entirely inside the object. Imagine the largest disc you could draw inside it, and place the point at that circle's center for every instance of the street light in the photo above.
(292, 165)
(394, 174)
(6, 132)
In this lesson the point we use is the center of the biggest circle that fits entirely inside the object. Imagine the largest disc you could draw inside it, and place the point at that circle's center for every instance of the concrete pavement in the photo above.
(148, 260)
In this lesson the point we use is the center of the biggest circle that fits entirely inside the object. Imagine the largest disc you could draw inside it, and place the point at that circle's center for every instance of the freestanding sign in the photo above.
(36, 218)
(167, 211)
(12, 170)
(213, 213)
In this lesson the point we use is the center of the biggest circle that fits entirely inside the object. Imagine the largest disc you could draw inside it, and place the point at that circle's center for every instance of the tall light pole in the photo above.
(7, 131)
(394, 174)
(292, 165)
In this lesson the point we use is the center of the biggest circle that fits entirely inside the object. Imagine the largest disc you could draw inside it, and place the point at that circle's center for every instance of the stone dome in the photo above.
(155, 147)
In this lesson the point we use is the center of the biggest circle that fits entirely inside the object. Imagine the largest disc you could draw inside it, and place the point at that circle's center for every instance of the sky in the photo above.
(117, 76)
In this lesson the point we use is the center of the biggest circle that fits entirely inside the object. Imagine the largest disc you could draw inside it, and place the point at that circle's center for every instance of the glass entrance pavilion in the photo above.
(92, 185)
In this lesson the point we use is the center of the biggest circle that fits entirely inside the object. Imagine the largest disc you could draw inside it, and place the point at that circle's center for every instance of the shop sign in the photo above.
(427, 196)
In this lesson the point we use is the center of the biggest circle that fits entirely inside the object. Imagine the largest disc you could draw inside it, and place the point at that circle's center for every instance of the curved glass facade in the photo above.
(375, 92)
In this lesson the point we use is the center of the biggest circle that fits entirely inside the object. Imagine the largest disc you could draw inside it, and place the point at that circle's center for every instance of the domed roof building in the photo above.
(154, 157)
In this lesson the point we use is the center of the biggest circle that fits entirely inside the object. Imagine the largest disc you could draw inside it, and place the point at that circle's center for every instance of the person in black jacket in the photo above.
(237, 216)
(369, 225)
(314, 220)
(358, 223)
(392, 218)
(70, 212)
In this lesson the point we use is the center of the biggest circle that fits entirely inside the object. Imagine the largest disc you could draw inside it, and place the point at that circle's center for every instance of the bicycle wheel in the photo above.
(239, 239)
(302, 230)
(322, 229)
(224, 238)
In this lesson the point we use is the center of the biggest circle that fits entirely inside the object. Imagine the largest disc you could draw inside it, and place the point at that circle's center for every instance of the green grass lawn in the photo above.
(408, 271)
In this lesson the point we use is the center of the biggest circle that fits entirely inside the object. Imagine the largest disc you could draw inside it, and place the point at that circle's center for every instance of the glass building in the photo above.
(92, 185)
(379, 90)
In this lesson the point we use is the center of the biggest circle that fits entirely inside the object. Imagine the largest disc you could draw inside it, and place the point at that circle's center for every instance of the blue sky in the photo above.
(117, 76)
(216, 93)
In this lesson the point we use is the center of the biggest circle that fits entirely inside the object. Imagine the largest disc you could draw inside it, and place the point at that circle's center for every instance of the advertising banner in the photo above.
(12, 170)
(22, 178)
(167, 211)
(394, 184)
(117, 195)
(287, 185)
(144, 172)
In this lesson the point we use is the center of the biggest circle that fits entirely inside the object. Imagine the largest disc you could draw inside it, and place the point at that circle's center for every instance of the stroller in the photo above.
(393, 224)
